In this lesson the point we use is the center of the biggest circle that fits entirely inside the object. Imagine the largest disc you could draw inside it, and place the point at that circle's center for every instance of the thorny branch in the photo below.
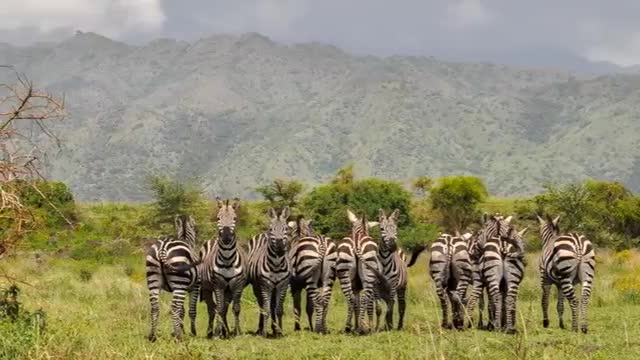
(21, 105)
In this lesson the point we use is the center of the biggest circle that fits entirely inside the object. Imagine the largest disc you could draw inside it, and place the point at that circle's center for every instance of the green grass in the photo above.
(102, 311)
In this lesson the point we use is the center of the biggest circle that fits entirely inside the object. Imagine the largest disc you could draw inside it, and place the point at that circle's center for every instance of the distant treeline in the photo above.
(606, 211)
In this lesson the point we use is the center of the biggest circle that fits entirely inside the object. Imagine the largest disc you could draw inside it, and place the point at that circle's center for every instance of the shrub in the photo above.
(457, 199)
(19, 328)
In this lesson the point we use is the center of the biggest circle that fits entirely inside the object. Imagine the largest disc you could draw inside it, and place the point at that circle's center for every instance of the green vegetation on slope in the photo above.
(241, 110)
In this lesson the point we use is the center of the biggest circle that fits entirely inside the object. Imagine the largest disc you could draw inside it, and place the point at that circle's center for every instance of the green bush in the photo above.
(19, 328)
(457, 198)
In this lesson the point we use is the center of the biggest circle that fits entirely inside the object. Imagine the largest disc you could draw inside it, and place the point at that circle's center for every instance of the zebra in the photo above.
(269, 270)
(394, 269)
(163, 260)
(502, 269)
(358, 270)
(223, 270)
(478, 286)
(313, 259)
(450, 269)
(566, 260)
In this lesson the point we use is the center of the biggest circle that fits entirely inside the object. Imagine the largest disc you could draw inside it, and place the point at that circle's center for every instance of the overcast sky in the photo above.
(499, 30)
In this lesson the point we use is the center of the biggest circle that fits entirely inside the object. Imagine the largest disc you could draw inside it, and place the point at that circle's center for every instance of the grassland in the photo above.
(101, 311)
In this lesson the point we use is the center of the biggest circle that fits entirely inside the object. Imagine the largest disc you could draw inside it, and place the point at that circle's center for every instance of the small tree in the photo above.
(281, 193)
(569, 200)
(457, 199)
(172, 197)
(21, 105)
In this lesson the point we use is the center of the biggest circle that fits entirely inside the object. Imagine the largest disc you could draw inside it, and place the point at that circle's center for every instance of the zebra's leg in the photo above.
(365, 310)
(193, 305)
(378, 312)
(207, 295)
(456, 309)
(258, 293)
(296, 293)
(402, 306)
(322, 304)
(221, 308)
(347, 290)
(512, 295)
(310, 306)
(570, 294)
(560, 308)
(546, 289)
(237, 296)
(154, 295)
(480, 309)
(475, 296)
(277, 310)
(495, 299)
(587, 280)
(389, 315)
(444, 305)
(177, 312)
(265, 310)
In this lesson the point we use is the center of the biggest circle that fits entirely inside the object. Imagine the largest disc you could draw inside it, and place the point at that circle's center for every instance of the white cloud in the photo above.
(112, 18)
(467, 13)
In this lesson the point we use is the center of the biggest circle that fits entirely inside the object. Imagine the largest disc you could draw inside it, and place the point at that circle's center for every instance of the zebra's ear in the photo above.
(291, 224)
(381, 214)
(178, 221)
(555, 221)
(235, 204)
(485, 218)
(272, 213)
(352, 217)
(508, 220)
(372, 224)
(467, 236)
(457, 233)
(394, 215)
(540, 219)
(523, 231)
(219, 202)
(284, 215)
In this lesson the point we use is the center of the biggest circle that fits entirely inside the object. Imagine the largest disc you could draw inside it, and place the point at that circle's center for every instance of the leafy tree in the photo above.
(172, 197)
(457, 199)
(327, 204)
(281, 193)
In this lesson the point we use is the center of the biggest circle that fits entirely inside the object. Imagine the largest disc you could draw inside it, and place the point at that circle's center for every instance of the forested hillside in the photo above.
(239, 111)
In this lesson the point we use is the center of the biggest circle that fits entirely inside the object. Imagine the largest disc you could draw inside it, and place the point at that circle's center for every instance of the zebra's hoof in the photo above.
(561, 324)
(347, 330)
(152, 337)
(583, 329)
(210, 335)
(510, 331)
(446, 326)
(545, 323)
(297, 328)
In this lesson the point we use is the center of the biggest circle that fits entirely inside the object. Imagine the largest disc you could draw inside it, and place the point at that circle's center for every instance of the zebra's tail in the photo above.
(383, 282)
(415, 253)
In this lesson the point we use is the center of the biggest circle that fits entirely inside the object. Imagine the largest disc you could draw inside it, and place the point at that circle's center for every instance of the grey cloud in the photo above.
(542, 32)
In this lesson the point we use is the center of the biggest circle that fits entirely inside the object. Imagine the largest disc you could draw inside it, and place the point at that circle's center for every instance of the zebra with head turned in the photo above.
(394, 269)
(269, 270)
(223, 270)
(358, 271)
(169, 266)
(566, 260)
(313, 260)
(501, 249)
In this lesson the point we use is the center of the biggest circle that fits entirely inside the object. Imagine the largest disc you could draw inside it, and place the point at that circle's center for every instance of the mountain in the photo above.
(240, 110)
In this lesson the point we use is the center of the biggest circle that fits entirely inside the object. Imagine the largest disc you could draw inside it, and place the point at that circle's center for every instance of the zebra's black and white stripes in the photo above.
(269, 270)
(223, 270)
(566, 260)
(358, 271)
(450, 269)
(313, 260)
(170, 267)
(394, 269)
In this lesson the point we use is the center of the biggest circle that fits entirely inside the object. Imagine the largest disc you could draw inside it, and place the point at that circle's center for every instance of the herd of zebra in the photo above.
(290, 254)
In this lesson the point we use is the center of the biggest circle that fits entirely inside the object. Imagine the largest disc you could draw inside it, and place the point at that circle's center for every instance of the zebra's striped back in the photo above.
(170, 266)
(450, 269)
(313, 259)
(566, 260)
(358, 270)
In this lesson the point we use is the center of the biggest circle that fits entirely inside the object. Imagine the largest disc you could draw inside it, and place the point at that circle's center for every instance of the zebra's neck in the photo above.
(548, 234)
